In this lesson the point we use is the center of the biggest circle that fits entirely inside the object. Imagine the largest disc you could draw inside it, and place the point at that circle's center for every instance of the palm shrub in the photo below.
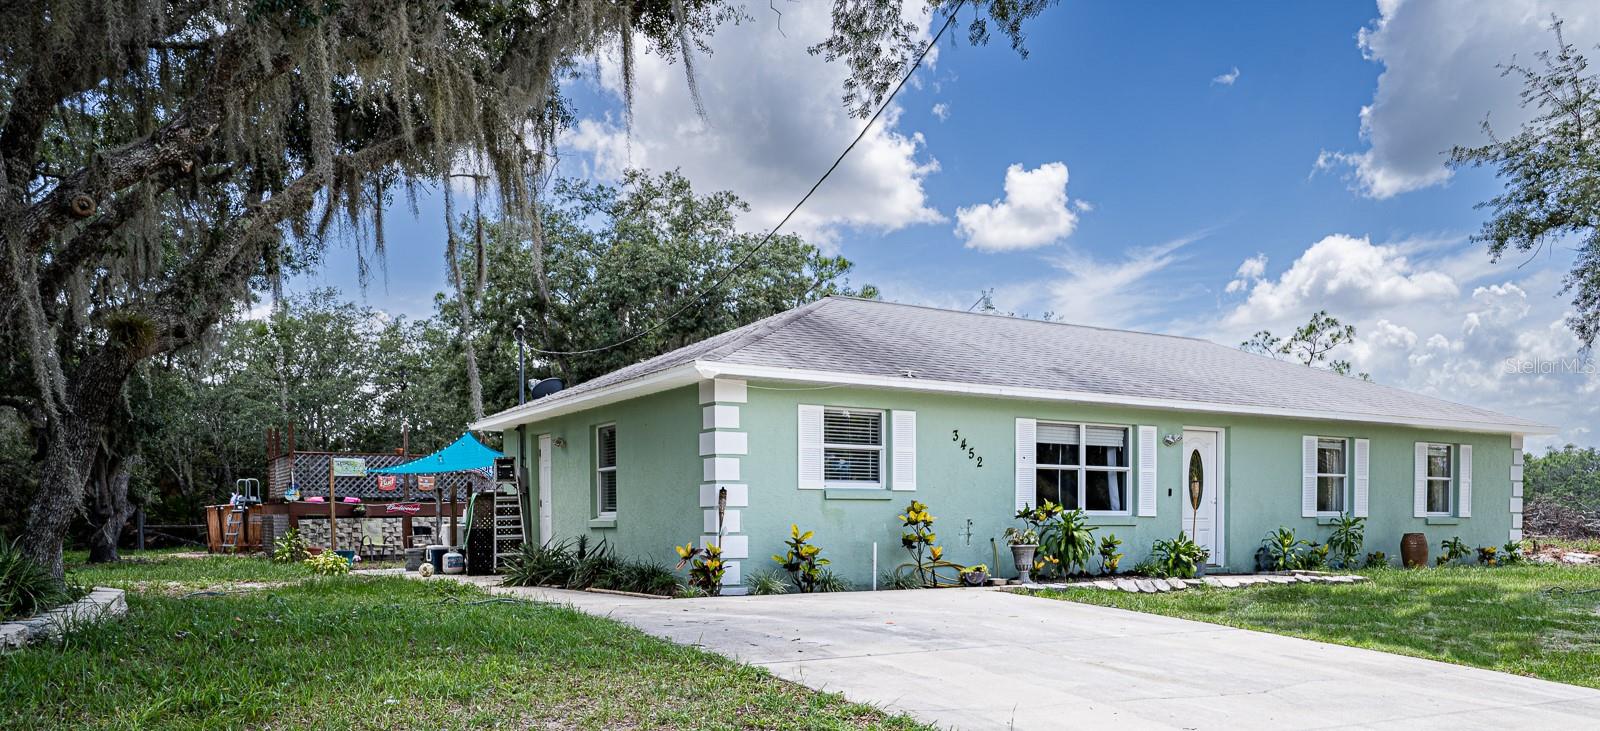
(1349, 533)
(1450, 550)
(26, 587)
(1513, 552)
(1179, 557)
(1282, 549)
(803, 560)
(1068, 540)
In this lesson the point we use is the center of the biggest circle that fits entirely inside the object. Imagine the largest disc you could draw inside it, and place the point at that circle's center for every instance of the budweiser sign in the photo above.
(403, 507)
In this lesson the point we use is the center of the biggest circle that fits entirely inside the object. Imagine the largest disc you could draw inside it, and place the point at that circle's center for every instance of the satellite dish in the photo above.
(546, 386)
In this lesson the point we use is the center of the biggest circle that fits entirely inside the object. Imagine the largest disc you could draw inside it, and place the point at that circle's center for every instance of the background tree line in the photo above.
(351, 377)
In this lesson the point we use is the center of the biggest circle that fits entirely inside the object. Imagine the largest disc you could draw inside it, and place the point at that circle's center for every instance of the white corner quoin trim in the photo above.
(695, 372)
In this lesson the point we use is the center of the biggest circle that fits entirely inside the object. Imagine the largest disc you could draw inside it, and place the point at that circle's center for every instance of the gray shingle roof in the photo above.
(872, 338)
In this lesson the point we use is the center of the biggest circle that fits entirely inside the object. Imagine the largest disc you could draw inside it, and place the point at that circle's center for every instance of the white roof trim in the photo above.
(533, 411)
(716, 370)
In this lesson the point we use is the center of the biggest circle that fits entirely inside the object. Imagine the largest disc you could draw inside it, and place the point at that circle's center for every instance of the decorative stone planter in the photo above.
(1022, 556)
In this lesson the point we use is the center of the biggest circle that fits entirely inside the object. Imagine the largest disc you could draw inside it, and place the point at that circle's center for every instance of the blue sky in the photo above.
(1177, 169)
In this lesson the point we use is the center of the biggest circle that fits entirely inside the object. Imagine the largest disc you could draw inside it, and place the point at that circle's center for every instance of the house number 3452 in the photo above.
(961, 444)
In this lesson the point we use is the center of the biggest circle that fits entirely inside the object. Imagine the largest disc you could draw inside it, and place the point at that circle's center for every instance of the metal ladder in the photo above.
(507, 527)
(232, 525)
(249, 488)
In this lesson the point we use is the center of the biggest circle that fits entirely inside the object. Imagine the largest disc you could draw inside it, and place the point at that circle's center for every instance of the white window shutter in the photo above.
(1363, 446)
(1308, 477)
(810, 447)
(903, 432)
(1419, 491)
(1464, 491)
(1027, 429)
(1147, 472)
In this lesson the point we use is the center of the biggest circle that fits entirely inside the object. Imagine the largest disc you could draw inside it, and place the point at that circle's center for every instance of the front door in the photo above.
(1202, 491)
(545, 528)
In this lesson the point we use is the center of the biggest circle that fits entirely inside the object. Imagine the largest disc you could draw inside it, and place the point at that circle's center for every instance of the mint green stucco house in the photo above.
(835, 414)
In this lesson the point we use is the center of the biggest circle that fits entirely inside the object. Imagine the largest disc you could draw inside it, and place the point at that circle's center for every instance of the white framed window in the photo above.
(605, 483)
(1082, 467)
(1333, 472)
(852, 447)
(1440, 478)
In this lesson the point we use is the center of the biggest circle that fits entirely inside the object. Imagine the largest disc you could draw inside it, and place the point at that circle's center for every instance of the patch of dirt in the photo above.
(1546, 553)
(179, 588)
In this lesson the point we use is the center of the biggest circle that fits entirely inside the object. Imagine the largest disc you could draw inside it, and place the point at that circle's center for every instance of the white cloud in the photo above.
(1343, 274)
(1250, 270)
(1226, 79)
(1112, 293)
(1440, 80)
(775, 123)
(1421, 329)
(1086, 290)
(1033, 213)
(942, 111)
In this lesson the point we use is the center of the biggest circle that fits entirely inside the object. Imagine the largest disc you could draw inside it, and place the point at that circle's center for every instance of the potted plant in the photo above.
(1024, 543)
(975, 575)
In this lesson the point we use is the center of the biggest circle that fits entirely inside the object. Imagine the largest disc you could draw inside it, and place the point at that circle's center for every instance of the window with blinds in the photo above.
(1332, 470)
(852, 447)
(1440, 475)
(606, 470)
(1082, 467)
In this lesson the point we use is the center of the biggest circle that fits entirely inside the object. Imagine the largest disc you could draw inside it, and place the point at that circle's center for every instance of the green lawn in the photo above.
(381, 653)
(1512, 619)
(161, 571)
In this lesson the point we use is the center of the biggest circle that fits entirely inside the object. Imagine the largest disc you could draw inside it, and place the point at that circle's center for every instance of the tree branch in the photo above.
(172, 145)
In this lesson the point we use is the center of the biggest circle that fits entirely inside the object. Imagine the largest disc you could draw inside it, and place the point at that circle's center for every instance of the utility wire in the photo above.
(696, 301)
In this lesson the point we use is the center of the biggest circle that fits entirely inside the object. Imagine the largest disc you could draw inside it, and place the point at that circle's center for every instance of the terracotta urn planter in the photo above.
(1022, 555)
(1414, 550)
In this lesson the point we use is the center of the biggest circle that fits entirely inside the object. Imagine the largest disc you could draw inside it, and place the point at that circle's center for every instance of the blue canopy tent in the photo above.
(466, 454)
(463, 455)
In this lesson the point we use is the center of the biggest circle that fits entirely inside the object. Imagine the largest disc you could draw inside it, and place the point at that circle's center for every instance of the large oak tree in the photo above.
(160, 158)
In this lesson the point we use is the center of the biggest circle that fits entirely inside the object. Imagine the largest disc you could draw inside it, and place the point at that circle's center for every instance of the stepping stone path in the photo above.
(1136, 585)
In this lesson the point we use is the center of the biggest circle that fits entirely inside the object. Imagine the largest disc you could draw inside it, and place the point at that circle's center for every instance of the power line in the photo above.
(696, 300)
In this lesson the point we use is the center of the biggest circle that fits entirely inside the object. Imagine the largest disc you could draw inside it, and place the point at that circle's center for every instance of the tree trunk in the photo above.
(76, 433)
(109, 507)
(60, 492)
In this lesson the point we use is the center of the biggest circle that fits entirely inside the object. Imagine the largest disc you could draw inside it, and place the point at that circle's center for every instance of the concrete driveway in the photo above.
(977, 659)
